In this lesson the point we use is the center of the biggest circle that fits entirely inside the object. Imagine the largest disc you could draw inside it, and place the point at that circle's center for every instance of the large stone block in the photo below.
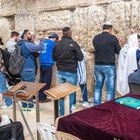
(52, 20)
(24, 21)
(5, 29)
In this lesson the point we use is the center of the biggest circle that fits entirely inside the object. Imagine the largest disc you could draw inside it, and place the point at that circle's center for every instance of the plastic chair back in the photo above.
(47, 131)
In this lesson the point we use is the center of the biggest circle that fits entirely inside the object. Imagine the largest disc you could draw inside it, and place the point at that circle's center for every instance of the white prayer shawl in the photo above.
(127, 63)
(81, 70)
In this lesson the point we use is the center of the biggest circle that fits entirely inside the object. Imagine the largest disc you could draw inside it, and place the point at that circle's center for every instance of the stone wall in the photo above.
(85, 17)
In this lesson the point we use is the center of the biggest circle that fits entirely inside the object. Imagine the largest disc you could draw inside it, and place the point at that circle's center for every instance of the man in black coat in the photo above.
(67, 53)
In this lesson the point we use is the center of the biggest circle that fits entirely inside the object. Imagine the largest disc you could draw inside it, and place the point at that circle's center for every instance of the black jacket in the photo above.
(106, 46)
(67, 53)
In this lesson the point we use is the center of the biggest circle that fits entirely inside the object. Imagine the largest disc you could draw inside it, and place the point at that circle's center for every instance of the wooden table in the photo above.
(31, 89)
(61, 91)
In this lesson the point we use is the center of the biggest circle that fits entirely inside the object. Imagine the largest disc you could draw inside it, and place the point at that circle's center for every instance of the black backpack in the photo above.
(16, 61)
(11, 78)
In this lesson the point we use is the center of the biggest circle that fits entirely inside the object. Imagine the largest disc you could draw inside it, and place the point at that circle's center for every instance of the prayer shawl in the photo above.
(81, 70)
(127, 63)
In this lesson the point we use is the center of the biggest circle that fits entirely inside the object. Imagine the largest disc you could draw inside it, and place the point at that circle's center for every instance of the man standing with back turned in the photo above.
(67, 53)
(106, 45)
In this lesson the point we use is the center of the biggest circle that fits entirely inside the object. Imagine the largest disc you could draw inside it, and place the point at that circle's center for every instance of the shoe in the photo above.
(46, 100)
(28, 109)
(6, 107)
(24, 109)
(86, 104)
(31, 109)
(73, 108)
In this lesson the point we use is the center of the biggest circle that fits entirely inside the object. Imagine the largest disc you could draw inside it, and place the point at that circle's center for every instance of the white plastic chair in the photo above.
(47, 131)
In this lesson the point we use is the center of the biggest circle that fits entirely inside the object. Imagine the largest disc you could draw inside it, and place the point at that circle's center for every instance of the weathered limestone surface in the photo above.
(85, 17)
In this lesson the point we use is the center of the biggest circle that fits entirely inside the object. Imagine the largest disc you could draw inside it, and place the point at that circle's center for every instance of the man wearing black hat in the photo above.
(106, 46)
(67, 53)
(46, 65)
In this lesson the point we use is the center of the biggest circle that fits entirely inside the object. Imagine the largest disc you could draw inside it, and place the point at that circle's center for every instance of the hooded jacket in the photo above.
(27, 49)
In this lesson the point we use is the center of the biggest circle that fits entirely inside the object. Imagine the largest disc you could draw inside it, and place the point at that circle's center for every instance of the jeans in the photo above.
(107, 73)
(45, 77)
(28, 76)
(84, 93)
(3, 88)
(68, 77)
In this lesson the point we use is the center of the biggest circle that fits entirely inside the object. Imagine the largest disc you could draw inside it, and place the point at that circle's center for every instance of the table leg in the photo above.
(66, 105)
(56, 112)
(37, 114)
(25, 121)
(14, 109)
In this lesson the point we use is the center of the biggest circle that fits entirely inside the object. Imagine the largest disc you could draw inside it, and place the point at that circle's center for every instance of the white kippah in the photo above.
(108, 23)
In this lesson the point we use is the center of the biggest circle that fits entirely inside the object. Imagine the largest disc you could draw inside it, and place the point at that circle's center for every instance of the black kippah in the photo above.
(65, 29)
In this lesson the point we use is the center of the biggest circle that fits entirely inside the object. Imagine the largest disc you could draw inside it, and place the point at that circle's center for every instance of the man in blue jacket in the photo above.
(28, 48)
(46, 65)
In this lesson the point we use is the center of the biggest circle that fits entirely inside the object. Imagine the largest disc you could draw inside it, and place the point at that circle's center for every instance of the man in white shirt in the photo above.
(10, 45)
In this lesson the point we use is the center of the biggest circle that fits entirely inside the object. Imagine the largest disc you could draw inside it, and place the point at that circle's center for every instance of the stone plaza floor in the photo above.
(46, 116)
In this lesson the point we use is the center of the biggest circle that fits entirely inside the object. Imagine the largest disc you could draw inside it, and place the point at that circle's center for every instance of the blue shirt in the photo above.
(46, 55)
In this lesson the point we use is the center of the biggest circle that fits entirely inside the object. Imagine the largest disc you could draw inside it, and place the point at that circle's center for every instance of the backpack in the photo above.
(11, 78)
(16, 61)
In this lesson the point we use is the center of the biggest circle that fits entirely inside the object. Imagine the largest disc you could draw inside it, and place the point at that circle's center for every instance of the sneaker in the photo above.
(24, 109)
(31, 109)
(73, 108)
(28, 109)
(86, 104)
(46, 100)
(6, 107)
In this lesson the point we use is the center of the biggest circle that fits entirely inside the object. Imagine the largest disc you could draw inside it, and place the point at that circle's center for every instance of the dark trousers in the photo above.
(13, 130)
(45, 77)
